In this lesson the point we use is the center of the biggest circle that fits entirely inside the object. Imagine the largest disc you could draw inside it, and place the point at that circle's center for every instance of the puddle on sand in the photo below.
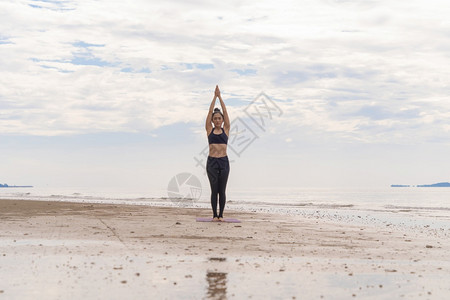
(72, 276)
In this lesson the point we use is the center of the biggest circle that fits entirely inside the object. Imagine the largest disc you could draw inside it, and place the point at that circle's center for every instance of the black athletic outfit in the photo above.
(218, 169)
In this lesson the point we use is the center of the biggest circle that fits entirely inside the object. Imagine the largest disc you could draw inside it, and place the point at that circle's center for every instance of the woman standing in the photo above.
(217, 166)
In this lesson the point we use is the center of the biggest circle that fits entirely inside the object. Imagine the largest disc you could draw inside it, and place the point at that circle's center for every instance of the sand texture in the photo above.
(61, 250)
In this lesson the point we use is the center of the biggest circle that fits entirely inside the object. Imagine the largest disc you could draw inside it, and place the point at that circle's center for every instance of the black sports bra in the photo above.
(218, 138)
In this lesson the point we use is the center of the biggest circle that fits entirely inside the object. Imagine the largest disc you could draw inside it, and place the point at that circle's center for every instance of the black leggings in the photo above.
(218, 169)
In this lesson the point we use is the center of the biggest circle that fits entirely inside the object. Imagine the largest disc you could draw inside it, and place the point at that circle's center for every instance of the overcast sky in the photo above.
(99, 93)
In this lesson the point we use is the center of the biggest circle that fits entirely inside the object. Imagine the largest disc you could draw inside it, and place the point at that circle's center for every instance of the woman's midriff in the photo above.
(218, 150)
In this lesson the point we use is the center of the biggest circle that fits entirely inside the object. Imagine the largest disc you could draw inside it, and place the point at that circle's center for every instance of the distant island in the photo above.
(14, 186)
(440, 184)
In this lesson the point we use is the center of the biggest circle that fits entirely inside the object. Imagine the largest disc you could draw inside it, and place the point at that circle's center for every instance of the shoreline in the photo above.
(102, 243)
(429, 219)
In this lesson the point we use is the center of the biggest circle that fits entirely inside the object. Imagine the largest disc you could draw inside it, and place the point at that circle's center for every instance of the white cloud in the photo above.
(363, 70)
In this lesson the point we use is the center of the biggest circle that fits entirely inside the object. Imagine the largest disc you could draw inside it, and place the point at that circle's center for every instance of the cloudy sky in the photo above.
(101, 93)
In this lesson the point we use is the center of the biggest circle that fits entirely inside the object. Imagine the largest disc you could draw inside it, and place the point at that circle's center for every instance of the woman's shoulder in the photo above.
(226, 130)
(209, 128)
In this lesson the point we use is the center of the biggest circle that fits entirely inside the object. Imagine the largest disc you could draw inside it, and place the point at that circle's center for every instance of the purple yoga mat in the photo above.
(228, 220)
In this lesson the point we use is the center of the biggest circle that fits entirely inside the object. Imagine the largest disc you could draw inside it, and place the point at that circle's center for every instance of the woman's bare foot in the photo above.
(215, 219)
(220, 219)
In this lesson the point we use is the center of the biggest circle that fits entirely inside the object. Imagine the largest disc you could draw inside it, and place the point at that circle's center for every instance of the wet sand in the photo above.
(61, 250)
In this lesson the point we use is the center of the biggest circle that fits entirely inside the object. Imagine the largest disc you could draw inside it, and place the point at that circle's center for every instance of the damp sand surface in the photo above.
(63, 250)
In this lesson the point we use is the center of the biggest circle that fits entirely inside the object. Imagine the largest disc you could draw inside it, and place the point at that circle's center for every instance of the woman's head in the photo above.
(217, 117)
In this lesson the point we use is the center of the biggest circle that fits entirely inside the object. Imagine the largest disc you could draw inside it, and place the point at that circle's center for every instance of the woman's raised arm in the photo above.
(208, 124)
(226, 119)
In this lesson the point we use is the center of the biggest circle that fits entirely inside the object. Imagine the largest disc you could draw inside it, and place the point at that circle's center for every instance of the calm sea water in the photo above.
(427, 208)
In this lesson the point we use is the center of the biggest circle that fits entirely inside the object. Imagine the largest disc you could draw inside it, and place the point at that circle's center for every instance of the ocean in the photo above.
(418, 208)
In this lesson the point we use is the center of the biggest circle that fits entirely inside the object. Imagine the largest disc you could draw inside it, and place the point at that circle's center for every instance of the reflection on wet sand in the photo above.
(222, 259)
(217, 281)
(217, 285)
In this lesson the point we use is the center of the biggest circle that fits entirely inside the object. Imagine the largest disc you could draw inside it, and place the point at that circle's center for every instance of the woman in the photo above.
(217, 166)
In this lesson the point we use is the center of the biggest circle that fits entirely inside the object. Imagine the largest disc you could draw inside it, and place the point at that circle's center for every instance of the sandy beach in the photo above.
(62, 250)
